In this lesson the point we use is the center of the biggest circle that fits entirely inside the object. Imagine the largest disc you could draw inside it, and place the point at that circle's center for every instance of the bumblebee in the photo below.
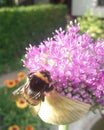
(33, 91)
(40, 93)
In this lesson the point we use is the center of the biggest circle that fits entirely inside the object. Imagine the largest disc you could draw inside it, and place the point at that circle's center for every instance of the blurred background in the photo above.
(24, 22)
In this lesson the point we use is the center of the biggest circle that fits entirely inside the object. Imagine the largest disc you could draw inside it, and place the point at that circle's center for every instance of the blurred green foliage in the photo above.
(4, 3)
(93, 24)
(20, 26)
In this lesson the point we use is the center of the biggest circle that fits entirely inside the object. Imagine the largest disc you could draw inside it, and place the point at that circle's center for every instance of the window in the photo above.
(100, 2)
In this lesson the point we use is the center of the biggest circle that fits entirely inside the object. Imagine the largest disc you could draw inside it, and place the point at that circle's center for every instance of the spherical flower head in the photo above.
(75, 63)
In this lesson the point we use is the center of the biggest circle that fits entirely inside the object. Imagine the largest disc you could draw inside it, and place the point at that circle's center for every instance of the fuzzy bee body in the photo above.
(33, 91)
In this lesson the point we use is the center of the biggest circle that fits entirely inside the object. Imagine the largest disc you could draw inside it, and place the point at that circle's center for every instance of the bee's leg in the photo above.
(42, 97)
(49, 87)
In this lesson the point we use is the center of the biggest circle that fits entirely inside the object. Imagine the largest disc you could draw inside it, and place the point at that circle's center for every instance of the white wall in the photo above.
(79, 7)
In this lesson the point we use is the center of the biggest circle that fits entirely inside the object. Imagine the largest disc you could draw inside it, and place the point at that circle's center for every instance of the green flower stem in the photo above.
(63, 127)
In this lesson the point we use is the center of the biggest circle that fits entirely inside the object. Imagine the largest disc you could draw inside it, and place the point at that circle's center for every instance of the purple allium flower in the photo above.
(75, 63)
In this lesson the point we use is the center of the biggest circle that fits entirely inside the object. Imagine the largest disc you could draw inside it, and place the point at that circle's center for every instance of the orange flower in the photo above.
(14, 127)
(16, 81)
(29, 127)
(9, 83)
(21, 103)
(21, 76)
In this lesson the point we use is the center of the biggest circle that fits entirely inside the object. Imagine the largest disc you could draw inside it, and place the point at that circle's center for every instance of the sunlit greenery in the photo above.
(93, 24)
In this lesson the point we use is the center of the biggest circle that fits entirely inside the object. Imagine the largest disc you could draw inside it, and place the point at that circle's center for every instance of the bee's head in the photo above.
(40, 81)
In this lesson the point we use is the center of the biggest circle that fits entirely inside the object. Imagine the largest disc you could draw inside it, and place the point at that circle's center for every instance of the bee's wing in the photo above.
(76, 110)
(57, 109)
(17, 93)
(34, 109)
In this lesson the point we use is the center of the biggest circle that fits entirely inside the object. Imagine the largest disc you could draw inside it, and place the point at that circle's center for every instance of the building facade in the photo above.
(80, 7)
